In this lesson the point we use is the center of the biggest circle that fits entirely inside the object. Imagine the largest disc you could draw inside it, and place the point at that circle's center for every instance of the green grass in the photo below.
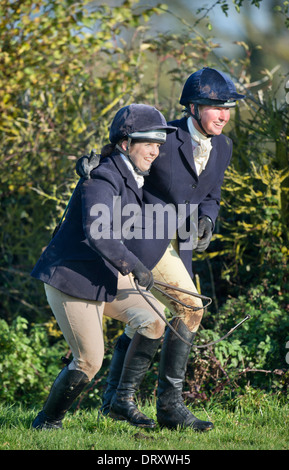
(263, 425)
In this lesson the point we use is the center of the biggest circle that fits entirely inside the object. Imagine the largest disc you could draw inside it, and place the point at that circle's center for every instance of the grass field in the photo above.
(263, 425)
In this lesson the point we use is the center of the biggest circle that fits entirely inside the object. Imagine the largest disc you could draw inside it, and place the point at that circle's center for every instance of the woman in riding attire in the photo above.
(88, 271)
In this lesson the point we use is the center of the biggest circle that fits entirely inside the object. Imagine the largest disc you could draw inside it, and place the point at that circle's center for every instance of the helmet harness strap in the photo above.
(197, 117)
(126, 153)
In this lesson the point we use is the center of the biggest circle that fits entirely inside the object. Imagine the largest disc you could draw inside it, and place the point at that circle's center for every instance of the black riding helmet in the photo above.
(140, 123)
(209, 87)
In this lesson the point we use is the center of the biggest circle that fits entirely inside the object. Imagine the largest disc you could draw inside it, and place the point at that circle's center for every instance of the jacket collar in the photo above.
(186, 147)
(127, 175)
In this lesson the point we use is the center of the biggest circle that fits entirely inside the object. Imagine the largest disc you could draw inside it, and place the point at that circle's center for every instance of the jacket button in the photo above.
(193, 186)
(187, 202)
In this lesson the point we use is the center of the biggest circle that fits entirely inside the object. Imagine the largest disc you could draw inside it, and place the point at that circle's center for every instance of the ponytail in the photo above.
(107, 150)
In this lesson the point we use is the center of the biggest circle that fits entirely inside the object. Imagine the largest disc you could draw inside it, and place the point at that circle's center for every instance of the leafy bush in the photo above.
(66, 68)
(254, 354)
(28, 361)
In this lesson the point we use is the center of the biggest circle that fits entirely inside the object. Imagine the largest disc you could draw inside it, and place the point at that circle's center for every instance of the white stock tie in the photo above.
(202, 146)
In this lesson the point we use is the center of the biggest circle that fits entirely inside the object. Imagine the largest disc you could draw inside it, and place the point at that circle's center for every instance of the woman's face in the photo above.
(143, 154)
(213, 119)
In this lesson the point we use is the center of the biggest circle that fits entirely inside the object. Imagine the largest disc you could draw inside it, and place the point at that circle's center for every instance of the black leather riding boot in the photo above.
(115, 370)
(137, 361)
(171, 410)
(66, 388)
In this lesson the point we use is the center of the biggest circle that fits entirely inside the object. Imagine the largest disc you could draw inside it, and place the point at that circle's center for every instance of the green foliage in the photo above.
(253, 225)
(66, 68)
(28, 363)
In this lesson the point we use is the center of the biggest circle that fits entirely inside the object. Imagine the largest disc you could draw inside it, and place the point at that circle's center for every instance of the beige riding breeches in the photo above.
(171, 270)
(81, 321)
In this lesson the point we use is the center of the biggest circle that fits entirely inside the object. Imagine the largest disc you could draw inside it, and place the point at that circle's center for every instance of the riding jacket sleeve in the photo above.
(104, 202)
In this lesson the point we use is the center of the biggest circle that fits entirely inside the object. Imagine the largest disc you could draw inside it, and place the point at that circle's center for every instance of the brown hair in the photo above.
(107, 150)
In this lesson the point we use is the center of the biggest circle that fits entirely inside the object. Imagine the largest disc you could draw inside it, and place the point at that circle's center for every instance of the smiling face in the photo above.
(143, 154)
(213, 119)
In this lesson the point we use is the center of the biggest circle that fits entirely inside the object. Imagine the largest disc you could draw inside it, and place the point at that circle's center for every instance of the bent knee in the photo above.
(156, 329)
(89, 367)
(148, 324)
(193, 317)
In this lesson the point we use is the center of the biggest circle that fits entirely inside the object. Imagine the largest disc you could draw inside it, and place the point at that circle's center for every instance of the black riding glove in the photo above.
(143, 275)
(205, 232)
(86, 164)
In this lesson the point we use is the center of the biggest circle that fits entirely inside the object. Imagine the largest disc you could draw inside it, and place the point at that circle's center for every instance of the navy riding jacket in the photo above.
(78, 261)
(173, 180)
